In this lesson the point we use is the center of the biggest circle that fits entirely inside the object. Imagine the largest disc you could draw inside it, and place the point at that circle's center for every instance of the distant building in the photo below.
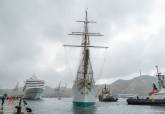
(127, 95)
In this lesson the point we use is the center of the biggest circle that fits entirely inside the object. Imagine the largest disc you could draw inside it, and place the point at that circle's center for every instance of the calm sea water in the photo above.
(64, 106)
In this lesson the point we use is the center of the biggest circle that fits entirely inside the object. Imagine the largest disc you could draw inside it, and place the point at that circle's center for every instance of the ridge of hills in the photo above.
(140, 85)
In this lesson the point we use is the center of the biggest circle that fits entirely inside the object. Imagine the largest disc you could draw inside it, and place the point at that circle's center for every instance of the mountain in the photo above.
(11, 92)
(141, 85)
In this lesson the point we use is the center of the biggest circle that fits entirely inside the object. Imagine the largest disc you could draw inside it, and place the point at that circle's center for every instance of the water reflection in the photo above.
(84, 110)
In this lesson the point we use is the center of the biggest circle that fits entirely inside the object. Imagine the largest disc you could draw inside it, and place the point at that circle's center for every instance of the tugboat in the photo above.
(156, 97)
(106, 96)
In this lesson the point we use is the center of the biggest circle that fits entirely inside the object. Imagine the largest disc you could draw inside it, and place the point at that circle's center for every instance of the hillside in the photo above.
(141, 85)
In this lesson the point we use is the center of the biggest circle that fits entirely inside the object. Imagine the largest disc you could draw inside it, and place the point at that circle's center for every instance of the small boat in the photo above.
(156, 97)
(21, 107)
(106, 96)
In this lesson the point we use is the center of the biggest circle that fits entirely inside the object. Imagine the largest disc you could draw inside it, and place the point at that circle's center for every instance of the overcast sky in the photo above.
(32, 34)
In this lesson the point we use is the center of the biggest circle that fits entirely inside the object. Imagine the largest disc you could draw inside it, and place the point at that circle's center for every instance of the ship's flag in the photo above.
(154, 90)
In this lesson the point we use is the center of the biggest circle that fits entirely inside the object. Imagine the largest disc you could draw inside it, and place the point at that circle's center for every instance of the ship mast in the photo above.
(161, 78)
(85, 43)
(85, 63)
(140, 72)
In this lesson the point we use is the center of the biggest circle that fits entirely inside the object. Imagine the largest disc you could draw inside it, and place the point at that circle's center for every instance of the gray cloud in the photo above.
(32, 34)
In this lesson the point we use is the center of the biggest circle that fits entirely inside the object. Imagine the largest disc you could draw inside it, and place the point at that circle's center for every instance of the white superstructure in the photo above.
(33, 88)
(161, 82)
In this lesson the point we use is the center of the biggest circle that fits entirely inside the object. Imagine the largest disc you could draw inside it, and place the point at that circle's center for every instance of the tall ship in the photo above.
(84, 85)
(17, 91)
(58, 91)
(33, 88)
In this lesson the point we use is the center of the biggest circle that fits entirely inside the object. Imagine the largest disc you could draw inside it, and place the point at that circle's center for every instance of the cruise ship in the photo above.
(33, 88)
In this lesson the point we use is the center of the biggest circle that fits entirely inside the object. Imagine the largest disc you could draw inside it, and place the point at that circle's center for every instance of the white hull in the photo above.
(33, 93)
(159, 95)
(84, 96)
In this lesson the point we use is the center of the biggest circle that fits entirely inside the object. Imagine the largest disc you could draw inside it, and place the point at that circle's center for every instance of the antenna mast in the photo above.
(140, 72)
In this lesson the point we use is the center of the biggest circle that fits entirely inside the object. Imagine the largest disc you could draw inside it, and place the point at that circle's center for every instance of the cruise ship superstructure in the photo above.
(33, 88)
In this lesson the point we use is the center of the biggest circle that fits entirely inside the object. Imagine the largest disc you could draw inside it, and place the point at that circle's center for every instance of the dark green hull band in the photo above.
(83, 104)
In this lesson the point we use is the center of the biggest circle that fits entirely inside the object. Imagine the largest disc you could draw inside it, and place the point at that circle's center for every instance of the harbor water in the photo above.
(65, 106)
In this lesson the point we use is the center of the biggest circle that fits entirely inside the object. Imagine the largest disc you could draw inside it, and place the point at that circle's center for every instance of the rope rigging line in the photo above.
(103, 65)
